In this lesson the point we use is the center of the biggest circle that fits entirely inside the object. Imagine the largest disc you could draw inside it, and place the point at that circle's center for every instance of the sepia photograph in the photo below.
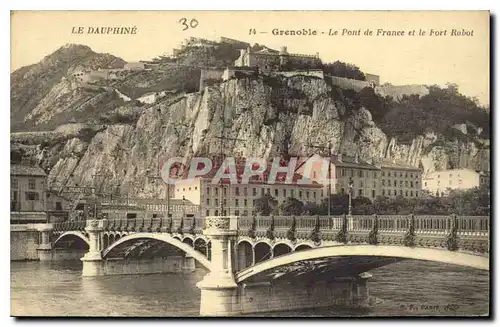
(250, 164)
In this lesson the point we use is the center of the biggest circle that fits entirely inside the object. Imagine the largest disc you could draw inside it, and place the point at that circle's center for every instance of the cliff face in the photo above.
(259, 118)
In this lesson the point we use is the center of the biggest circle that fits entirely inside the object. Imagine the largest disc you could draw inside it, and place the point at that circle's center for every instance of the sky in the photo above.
(408, 59)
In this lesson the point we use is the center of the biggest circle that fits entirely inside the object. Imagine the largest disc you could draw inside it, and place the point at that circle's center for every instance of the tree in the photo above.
(291, 207)
(266, 205)
(342, 69)
(338, 204)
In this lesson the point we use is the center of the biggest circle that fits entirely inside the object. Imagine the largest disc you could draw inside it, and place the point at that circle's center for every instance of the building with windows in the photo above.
(344, 170)
(267, 58)
(27, 193)
(368, 179)
(439, 183)
(239, 199)
(399, 179)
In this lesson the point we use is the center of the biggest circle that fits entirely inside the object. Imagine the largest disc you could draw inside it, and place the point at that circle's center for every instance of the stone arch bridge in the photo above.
(259, 264)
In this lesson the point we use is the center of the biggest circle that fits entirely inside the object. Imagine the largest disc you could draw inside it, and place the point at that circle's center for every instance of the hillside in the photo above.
(126, 140)
(43, 85)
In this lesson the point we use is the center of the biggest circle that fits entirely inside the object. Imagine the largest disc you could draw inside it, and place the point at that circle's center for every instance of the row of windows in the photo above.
(31, 183)
(30, 196)
(361, 184)
(406, 183)
(263, 191)
(224, 202)
(358, 173)
(395, 174)
(395, 192)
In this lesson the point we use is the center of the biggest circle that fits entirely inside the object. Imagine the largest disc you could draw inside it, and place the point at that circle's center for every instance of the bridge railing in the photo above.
(473, 226)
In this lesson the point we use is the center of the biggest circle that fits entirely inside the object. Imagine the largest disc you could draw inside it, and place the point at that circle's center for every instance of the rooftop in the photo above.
(22, 170)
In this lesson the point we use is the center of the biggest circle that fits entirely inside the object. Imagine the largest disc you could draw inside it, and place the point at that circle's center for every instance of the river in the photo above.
(405, 288)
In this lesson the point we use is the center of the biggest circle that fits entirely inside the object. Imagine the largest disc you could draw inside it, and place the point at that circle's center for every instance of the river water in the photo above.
(405, 288)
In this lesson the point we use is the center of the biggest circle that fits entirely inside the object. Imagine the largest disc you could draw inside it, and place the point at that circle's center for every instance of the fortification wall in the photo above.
(314, 73)
(210, 75)
(347, 83)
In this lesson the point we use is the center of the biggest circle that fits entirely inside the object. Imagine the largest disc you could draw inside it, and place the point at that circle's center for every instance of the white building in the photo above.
(239, 199)
(438, 183)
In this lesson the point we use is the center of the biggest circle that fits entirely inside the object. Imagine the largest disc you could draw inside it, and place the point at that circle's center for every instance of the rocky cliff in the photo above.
(119, 157)
(261, 115)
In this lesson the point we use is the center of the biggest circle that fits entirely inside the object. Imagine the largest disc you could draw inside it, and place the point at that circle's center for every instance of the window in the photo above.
(245, 213)
(236, 212)
(383, 182)
(300, 194)
(360, 183)
(183, 189)
(400, 183)
(253, 202)
(196, 188)
(406, 193)
(190, 189)
(383, 173)
(208, 201)
(411, 183)
(245, 191)
(59, 206)
(342, 172)
(284, 193)
(383, 192)
(360, 173)
(14, 183)
(374, 184)
(237, 191)
(416, 193)
(373, 194)
(262, 191)
(388, 192)
(395, 183)
(207, 213)
(425, 183)
(411, 193)
(411, 175)
(406, 175)
(275, 192)
(224, 201)
(400, 174)
(269, 191)
(32, 196)
(225, 191)
(216, 191)
(389, 174)
(401, 192)
(254, 191)
(245, 202)
(307, 194)
(216, 213)
(216, 202)
(343, 191)
(374, 174)
(360, 191)
(31, 183)
(292, 193)
(314, 194)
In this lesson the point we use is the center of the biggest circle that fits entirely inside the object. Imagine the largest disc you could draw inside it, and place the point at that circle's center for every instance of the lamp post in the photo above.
(350, 195)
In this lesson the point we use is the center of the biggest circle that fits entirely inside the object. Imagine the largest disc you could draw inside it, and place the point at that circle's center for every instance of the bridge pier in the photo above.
(218, 288)
(92, 260)
(44, 250)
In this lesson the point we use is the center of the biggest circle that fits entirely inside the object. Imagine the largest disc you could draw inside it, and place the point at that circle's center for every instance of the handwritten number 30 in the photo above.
(192, 23)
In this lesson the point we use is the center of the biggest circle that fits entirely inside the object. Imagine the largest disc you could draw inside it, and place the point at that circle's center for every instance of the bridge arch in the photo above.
(303, 246)
(78, 235)
(281, 248)
(426, 254)
(164, 238)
